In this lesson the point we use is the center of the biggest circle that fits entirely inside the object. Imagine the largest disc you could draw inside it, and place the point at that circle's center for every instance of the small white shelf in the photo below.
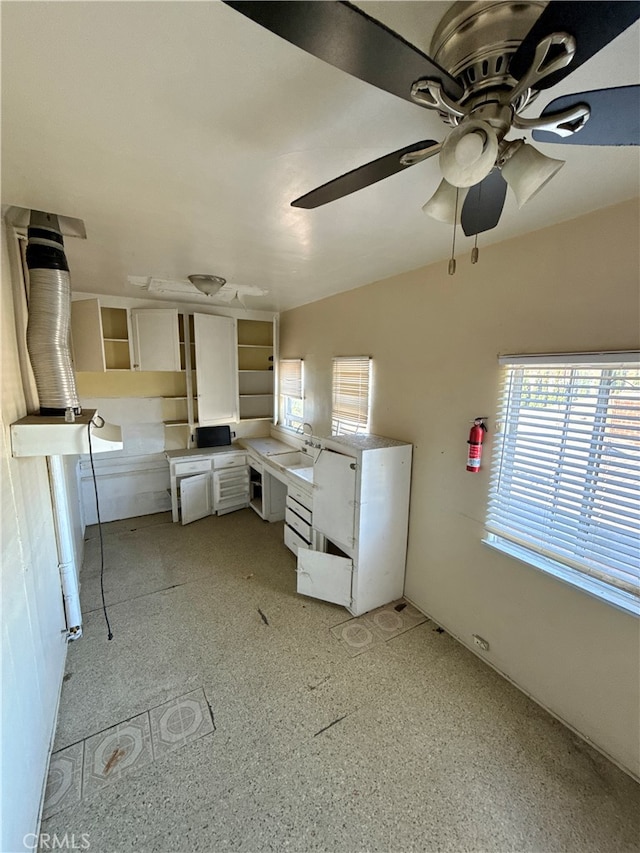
(256, 346)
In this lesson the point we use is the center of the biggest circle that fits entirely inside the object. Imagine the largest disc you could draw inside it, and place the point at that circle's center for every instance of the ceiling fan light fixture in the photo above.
(469, 153)
(442, 204)
(207, 284)
(527, 171)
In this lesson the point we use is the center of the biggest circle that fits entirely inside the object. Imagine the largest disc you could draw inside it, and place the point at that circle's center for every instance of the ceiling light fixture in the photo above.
(526, 170)
(442, 204)
(207, 284)
(469, 153)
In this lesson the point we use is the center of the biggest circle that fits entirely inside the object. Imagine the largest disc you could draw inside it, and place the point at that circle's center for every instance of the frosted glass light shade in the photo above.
(442, 204)
(207, 284)
(528, 171)
(469, 153)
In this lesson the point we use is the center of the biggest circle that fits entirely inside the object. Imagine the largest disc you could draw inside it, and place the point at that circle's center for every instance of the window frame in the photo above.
(341, 423)
(507, 454)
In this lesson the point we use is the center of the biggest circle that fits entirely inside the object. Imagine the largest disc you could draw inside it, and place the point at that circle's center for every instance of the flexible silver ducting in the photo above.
(49, 326)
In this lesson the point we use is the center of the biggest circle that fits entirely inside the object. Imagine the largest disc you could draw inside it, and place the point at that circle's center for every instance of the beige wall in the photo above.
(33, 639)
(435, 341)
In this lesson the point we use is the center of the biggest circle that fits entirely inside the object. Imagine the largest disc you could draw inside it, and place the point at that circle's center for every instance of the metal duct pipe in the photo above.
(49, 326)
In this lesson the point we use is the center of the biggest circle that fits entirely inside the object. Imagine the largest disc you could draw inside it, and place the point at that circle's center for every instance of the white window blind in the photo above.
(290, 379)
(351, 390)
(566, 466)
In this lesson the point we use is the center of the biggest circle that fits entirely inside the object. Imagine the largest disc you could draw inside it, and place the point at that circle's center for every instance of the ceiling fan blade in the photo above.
(347, 38)
(614, 119)
(483, 205)
(364, 176)
(593, 24)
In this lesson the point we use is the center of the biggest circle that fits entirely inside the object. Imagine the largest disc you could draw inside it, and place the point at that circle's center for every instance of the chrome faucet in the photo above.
(307, 429)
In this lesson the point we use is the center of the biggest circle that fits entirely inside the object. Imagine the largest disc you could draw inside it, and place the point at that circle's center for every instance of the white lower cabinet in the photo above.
(325, 576)
(298, 527)
(230, 489)
(361, 488)
(293, 540)
(207, 483)
(195, 497)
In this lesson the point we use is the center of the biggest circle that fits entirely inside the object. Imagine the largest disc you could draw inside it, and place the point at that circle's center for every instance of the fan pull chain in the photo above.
(475, 252)
(452, 260)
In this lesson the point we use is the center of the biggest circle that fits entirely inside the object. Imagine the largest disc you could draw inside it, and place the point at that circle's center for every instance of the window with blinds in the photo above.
(565, 486)
(351, 393)
(291, 402)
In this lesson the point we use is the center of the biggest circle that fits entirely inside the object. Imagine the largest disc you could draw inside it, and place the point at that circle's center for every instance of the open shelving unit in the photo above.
(255, 369)
(115, 338)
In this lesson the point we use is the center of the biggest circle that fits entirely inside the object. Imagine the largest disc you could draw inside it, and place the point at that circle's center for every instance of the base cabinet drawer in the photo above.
(293, 540)
(229, 460)
(301, 496)
(230, 489)
(299, 509)
(301, 527)
(199, 466)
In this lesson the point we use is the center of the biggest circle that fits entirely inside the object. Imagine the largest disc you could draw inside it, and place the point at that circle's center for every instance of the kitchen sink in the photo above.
(303, 473)
(295, 459)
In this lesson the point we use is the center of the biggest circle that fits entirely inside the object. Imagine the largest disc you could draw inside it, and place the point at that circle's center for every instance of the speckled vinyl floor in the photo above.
(229, 713)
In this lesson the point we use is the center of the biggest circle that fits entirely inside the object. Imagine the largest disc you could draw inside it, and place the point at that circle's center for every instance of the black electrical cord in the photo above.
(95, 487)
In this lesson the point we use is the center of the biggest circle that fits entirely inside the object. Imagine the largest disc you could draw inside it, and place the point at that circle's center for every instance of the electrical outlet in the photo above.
(480, 642)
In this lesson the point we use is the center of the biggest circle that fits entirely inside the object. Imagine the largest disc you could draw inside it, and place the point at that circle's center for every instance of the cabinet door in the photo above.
(217, 369)
(334, 497)
(195, 497)
(324, 576)
(86, 335)
(155, 339)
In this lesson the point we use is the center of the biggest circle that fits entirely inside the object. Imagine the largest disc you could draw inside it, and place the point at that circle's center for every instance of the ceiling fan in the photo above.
(489, 61)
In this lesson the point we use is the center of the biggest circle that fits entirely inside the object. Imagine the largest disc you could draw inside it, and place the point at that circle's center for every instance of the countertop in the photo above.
(201, 451)
(266, 446)
(365, 441)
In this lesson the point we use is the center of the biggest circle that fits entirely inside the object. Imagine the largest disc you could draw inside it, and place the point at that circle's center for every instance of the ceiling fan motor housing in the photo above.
(475, 41)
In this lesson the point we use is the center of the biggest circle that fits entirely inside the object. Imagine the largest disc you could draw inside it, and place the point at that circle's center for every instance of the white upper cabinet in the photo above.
(216, 368)
(100, 336)
(155, 339)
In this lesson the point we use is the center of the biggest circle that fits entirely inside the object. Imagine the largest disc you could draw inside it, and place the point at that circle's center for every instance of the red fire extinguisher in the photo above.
(476, 435)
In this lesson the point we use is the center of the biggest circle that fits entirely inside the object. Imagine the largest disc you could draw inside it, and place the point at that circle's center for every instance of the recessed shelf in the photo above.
(257, 346)
(256, 395)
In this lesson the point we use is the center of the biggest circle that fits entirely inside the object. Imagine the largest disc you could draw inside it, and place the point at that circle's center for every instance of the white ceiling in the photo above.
(181, 131)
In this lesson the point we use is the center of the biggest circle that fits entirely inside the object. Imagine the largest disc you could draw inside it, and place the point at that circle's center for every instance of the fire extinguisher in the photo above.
(476, 435)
